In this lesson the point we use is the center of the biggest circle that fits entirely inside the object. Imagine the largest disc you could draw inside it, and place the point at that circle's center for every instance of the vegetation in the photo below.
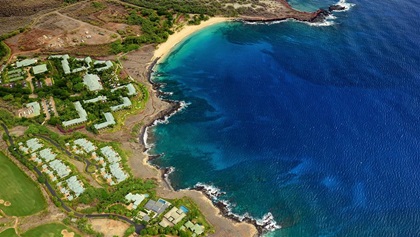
(15, 187)
(11, 232)
(4, 52)
(47, 230)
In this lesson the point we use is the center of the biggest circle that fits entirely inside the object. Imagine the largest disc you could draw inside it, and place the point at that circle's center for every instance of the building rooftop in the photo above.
(110, 154)
(126, 103)
(47, 154)
(93, 82)
(75, 185)
(117, 172)
(136, 199)
(60, 168)
(94, 100)
(130, 87)
(108, 64)
(158, 206)
(35, 107)
(86, 145)
(82, 116)
(40, 69)
(26, 62)
(109, 120)
(34, 144)
(175, 215)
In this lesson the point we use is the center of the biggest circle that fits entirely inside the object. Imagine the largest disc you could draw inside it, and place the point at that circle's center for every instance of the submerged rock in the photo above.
(320, 16)
(336, 8)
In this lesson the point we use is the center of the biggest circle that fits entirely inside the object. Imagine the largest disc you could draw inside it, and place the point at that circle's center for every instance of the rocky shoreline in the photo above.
(318, 16)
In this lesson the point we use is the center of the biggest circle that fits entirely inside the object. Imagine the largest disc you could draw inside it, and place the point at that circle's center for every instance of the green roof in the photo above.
(36, 108)
(40, 69)
(26, 62)
(92, 81)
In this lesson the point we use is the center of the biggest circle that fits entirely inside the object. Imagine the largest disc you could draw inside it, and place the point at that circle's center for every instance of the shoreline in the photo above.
(163, 50)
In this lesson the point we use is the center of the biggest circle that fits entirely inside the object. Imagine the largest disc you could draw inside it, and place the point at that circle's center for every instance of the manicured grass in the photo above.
(9, 233)
(48, 230)
(22, 192)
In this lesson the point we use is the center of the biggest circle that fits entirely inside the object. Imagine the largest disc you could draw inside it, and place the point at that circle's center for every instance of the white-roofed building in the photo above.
(108, 64)
(130, 87)
(136, 199)
(61, 169)
(125, 104)
(34, 144)
(117, 172)
(47, 154)
(26, 62)
(75, 185)
(36, 108)
(82, 116)
(96, 99)
(109, 120)
(110, 154)
(86, 145)
(93, 82)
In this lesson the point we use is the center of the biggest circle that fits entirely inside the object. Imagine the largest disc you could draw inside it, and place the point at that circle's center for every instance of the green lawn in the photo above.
(9, 233)
(15, 187)
(48, 230)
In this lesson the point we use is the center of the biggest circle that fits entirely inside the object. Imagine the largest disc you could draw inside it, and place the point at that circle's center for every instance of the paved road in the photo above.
(138, 227)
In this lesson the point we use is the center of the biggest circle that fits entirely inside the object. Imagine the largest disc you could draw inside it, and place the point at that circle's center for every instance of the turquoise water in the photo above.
(318, 126)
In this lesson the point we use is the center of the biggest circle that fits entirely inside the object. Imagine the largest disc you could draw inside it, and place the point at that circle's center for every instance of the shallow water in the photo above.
(317, 125)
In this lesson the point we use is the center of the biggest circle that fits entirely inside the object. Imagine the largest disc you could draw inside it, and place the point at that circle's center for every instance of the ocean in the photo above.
(317, 126)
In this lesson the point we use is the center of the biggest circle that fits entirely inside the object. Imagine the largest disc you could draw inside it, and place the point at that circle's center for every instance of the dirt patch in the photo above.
(7, 203)
(66, 233)
(108, 227)
(56, 31)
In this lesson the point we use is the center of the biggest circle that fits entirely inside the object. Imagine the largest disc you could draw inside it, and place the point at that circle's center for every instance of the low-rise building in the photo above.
(96, 99)
(86, 145)
(39, 69)
(109, 120)
(172, 217)
(60, 168)
(82, 116)
(36, 108)
(130, 87)
(34, 144)
(93, 82)
(125, 104)
(26, 62)
(136, 199)
(75, 185)
(158, 206)
(47, 155)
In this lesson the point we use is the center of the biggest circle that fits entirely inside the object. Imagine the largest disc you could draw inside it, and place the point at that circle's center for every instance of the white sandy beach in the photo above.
(165, 48)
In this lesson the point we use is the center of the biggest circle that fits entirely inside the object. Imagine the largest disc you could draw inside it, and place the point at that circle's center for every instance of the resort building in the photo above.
(86, 145)
(195, 228)
(82, 116)
(93, 82)
(34, 144)
(158, 206)
(130, 87)
(26, 62)
(35, 107)
(61, 169)
(108, 64)
(136, 199)
(94, 100)
(125, 104)
(75, 185)
(109, 120)
(64, 62)
(173, 216)
(117, 172)
(47, 155)
(40, 69)
(110, 154)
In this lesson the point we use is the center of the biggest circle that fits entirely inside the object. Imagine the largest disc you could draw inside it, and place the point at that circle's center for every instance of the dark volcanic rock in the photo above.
(336, 8)
(320, 16)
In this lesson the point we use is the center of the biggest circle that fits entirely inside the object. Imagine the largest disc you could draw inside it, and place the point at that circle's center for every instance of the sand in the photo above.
(66, 233)
(165, 48)
(7, 203)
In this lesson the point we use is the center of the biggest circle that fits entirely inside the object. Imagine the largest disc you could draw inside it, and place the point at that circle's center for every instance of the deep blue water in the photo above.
(318, 125)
